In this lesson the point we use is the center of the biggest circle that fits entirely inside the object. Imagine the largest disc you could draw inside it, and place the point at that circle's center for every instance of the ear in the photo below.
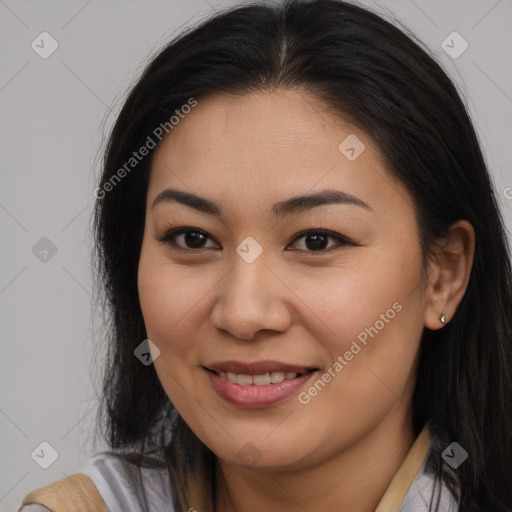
(449, 271)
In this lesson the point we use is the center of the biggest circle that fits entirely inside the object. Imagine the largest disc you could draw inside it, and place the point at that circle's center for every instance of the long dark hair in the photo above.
(367, 70)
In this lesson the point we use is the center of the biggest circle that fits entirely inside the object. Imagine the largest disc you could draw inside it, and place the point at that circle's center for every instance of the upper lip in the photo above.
(256, 367)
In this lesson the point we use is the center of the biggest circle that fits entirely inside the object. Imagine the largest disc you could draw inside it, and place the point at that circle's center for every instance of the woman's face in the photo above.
(337, 311)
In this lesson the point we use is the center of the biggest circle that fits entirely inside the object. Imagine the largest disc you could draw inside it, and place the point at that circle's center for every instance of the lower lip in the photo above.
(252, 396)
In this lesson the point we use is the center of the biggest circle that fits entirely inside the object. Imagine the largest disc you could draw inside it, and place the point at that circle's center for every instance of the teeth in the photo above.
(261, 380)
(258, 380)
(244, 380)
(277, 377)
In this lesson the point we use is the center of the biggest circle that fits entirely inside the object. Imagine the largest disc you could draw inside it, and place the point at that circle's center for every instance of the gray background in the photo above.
(55, 113)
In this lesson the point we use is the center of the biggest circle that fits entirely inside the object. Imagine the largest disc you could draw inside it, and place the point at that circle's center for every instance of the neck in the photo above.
(354, 479)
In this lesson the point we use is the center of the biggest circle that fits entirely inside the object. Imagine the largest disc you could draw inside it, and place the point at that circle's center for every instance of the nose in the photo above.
(252, 298)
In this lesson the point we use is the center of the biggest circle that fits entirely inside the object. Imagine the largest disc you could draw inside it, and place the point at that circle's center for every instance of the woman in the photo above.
(307, 276)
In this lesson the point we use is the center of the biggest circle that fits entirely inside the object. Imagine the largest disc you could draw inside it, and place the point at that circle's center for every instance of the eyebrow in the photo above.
(289, 206)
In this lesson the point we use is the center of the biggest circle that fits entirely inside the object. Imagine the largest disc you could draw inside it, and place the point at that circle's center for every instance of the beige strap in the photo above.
(75, 493)
(397, 489)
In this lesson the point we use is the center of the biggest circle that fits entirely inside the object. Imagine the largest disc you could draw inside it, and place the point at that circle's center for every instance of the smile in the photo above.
(258, 380)
(256, 385)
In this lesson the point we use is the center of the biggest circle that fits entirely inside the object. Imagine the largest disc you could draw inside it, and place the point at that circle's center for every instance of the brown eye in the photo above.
(185, 239)
(317, 241)
(194, 239)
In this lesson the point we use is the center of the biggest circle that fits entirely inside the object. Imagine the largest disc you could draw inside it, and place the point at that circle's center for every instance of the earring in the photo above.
(443, 317)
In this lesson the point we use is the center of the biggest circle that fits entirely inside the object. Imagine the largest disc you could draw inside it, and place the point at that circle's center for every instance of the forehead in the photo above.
(254, 128)
(269, 145)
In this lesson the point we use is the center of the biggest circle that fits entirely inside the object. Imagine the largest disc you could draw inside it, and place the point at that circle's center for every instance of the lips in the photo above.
(257, 384)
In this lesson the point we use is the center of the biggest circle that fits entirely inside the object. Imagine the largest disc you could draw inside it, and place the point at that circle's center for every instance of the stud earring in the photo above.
(443, 317)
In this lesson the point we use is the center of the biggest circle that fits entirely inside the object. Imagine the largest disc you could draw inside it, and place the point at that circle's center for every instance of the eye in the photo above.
(193, 239)
(315, 240)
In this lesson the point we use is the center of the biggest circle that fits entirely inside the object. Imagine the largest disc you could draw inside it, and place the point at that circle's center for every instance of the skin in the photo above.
(292, 304)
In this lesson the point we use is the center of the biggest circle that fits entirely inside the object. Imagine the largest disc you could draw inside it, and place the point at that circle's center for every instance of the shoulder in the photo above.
(104, 482)
(72, 493)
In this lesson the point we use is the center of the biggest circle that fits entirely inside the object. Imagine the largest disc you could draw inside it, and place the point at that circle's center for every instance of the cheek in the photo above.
(374, 320)
(376, 316)
(169, 294)
(378, 293)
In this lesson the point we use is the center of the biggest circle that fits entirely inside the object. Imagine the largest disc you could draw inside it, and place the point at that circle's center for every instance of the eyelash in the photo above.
(169, 236)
